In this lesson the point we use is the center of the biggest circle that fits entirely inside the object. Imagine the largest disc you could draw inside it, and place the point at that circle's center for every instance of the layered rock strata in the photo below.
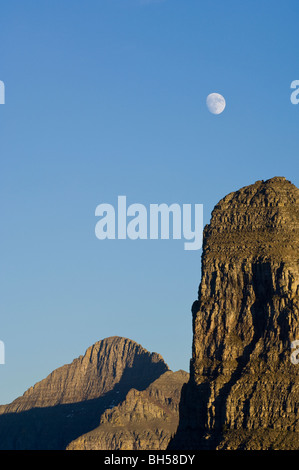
(70, 401)
(110, 362)
(145, 420)
(244, 389)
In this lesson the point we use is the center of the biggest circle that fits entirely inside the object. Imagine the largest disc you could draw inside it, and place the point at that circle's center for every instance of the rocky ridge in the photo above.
(70, 401)
(145, 420)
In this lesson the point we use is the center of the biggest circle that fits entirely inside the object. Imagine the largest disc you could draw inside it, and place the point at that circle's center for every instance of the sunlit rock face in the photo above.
(70, 401)
(244, 389)
(145, 420)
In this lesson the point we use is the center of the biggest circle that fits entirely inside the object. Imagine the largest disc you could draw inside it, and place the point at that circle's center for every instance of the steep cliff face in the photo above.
(71, 400)
(243, 390)
(145, 420)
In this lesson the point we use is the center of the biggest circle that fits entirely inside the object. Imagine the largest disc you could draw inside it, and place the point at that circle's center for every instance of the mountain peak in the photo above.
(113, 361)
(70, 401)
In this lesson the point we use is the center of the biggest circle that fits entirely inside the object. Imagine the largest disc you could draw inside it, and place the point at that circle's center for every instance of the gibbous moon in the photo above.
(216, 103)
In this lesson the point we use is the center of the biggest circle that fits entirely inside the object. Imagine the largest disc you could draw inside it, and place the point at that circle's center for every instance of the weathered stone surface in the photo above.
(244, 390)
(145, 420)
(107, 363)
(71, 400)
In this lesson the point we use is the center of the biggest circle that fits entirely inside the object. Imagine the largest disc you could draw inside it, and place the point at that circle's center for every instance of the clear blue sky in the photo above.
(107, 98)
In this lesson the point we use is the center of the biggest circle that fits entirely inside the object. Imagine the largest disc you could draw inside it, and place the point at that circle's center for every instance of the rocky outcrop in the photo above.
(244, 390)
(71, 400)
(145, 420)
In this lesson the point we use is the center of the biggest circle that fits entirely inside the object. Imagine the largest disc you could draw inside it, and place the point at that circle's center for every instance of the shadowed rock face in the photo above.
(145, 420)
(71, 400)
(243, 390)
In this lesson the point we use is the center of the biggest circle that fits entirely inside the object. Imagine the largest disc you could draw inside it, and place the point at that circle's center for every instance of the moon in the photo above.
(216, 103)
